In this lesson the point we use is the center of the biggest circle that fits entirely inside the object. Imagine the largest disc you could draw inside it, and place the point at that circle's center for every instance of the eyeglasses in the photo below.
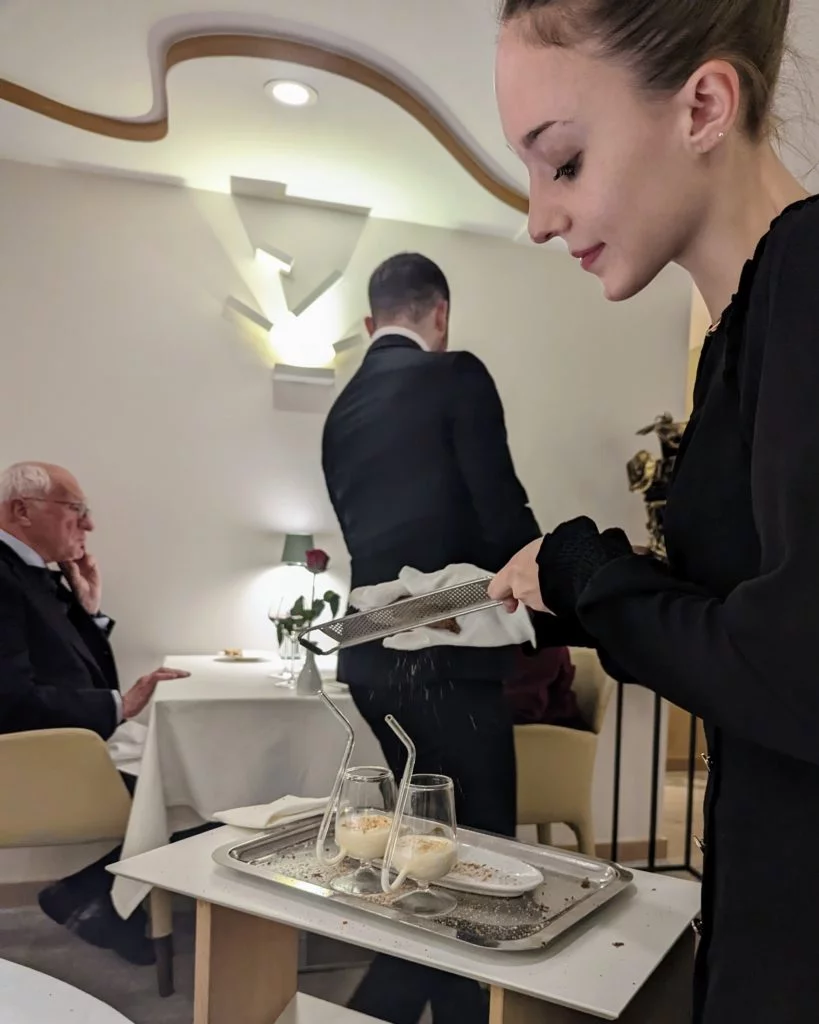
(79, 507)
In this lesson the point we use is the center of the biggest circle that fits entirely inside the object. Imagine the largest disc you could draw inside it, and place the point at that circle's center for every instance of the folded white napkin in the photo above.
(280, 812)
(492, 627)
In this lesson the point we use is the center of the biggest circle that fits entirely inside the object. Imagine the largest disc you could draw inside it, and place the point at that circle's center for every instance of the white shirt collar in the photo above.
(28, 555)
(405, 332)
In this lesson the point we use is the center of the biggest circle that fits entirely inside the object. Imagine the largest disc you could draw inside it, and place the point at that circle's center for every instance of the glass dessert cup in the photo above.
(426, 845)
(363, 823)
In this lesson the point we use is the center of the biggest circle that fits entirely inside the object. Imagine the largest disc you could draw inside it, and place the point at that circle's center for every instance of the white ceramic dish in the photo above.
(239, 660)
(492, 874)
(488, 873)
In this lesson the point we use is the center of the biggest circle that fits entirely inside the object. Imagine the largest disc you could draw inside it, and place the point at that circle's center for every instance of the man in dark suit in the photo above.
(57, 669)
(418, 468)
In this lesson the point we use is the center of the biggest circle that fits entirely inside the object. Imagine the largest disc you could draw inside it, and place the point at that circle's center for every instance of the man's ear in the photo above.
(19, 510)
(442, 316)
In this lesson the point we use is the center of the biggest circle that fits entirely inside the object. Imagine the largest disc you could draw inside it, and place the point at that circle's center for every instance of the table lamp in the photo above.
(296, 546)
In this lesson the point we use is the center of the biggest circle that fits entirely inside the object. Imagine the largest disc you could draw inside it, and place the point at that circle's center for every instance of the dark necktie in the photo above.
(52, 580)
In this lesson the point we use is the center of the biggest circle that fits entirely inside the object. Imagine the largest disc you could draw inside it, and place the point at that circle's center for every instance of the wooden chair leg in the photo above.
(584, 831)
(161, 914)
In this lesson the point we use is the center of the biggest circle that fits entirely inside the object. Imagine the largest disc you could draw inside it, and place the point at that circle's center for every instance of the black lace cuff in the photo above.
(559, 631)
(569, 557)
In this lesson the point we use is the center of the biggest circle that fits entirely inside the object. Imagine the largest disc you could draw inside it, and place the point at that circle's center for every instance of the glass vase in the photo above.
(291, 653)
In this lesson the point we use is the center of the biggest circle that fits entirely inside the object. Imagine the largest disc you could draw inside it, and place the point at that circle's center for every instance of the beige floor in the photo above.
(29, 938)
(674, 814)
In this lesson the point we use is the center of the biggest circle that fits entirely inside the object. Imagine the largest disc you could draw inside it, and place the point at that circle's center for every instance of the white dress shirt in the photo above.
(405, 332)
(22, 550)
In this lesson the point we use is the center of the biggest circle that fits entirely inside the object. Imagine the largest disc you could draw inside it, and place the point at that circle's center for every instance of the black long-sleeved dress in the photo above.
(729, 629)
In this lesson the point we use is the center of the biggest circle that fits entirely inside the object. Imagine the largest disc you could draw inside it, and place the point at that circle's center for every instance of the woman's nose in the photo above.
(548, 218)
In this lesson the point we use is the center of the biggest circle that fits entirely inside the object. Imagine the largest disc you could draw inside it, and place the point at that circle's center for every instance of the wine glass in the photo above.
(289, 648)
(427, 846)
(363, 822)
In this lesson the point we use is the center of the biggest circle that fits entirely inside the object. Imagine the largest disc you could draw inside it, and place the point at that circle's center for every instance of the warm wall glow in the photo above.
(307, 340)
(272, 262)
(275, 590)
(278, 589)
(299, 344)
(700, 319)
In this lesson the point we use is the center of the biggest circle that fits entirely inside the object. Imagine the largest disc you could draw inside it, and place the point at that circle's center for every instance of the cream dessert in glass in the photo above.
(363, 822)
(425, 858)
(363, 834)
(426, 847)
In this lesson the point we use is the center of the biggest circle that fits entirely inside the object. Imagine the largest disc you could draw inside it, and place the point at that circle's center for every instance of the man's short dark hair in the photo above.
(408, 285)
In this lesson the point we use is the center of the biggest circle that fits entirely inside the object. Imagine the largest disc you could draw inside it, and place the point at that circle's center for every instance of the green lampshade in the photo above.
(296, 546)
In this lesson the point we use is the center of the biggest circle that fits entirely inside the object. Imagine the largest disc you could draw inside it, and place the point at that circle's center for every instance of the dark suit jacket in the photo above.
(56, 665)
(419, 472)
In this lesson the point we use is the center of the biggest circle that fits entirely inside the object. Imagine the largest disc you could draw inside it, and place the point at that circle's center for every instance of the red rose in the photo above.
(317, 560)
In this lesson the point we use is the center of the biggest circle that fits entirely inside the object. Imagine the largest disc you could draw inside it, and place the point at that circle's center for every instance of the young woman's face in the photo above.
(609, 168)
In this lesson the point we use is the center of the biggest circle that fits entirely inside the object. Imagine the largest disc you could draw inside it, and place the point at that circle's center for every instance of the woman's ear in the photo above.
(713, 100)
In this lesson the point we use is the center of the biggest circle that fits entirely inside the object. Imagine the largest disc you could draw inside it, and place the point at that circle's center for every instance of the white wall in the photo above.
(117, 362)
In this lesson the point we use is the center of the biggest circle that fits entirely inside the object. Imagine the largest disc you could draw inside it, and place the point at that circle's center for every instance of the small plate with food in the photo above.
(238, 655)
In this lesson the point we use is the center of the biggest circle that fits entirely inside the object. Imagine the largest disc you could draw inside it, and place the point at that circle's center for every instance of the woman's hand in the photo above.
(518, 583)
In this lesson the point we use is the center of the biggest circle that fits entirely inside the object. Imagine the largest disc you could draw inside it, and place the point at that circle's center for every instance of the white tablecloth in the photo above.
(228, 737)
(29, 997)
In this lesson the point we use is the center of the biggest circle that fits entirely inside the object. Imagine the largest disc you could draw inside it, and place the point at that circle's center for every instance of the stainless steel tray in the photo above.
(573, 888)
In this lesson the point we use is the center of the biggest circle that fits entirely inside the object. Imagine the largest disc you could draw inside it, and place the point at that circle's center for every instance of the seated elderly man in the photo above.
(57, 669)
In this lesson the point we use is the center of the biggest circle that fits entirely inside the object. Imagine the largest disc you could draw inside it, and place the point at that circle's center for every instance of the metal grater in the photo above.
(409, 613)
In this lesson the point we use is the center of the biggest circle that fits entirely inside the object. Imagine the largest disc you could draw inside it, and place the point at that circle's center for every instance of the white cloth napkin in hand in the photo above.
(492, 627)
(280, 812)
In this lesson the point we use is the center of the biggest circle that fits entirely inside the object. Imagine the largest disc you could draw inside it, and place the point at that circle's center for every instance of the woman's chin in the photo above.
(618, 287)
(617, 292)
(615, 289)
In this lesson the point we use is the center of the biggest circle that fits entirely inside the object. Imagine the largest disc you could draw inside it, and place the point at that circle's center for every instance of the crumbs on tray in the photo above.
(480, 873)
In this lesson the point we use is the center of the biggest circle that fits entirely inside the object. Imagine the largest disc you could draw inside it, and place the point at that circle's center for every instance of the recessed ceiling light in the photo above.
(291, 94)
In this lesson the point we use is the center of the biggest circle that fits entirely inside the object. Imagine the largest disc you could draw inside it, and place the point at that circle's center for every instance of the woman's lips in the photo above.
(588, 257)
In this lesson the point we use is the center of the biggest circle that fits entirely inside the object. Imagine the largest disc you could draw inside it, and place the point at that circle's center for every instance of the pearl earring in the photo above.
(721, 135)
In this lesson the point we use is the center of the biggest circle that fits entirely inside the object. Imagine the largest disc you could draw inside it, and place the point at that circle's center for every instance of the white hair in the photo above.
(24, 480)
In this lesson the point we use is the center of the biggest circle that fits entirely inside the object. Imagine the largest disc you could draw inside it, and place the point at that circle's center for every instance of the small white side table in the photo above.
(29, 997)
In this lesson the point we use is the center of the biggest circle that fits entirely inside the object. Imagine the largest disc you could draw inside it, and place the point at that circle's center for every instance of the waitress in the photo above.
(646, 131)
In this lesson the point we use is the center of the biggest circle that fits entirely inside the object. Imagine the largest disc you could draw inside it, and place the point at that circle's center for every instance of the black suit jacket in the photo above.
(57, 669)
(418, 467)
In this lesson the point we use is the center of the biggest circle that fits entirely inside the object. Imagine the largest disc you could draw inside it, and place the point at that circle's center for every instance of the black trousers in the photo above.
(93, 881)
(464, 730)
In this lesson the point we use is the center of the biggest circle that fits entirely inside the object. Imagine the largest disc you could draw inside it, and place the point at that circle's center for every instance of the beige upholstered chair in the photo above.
(556, 765)
(59, 787)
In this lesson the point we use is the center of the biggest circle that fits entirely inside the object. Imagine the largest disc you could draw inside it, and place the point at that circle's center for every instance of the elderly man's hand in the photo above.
(518, 583)
(85, 580)
(141, 692)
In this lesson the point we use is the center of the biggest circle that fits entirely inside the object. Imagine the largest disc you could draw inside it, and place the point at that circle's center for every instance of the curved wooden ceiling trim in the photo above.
(268, 47)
